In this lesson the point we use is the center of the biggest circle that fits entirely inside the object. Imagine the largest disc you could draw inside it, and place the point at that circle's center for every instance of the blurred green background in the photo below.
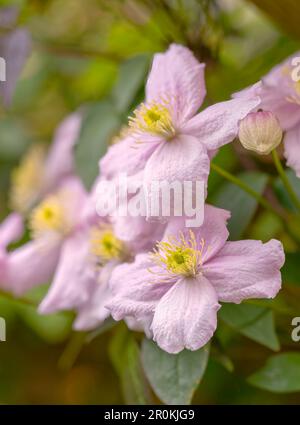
(95, 55)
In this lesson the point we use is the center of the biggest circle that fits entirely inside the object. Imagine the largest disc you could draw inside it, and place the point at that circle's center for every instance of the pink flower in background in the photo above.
(53, 223)
(40, 173)
(11, 230)
(168, 139)
(280, 94)
(82, 278)
(181, 284)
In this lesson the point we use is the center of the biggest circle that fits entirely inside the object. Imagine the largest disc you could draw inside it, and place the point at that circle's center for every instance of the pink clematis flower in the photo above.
(87, 259)
(53, 223)
(39, 173)
(11, 230)
(280, 94)
(179, 286)
(168, 139)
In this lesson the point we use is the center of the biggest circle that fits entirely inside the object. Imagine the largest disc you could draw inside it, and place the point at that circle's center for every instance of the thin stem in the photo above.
(235, 180)
(285, 179)
(260, 199)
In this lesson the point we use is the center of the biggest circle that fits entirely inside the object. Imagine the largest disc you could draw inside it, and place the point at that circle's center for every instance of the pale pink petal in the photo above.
(292, 149)
(31, 265)
(126, 156)
(186, 316)
(183, 158)
(137, 232)
(11, 229)
(141, 325)
(217, 125)
(246, 269)
(73, 197)
(60, 159)
(74, 278)
(213, 233)
(135, 289)
(93, 313)
(177, 77)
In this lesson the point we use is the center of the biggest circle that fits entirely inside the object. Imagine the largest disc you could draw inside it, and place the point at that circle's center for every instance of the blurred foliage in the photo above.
(95, 55)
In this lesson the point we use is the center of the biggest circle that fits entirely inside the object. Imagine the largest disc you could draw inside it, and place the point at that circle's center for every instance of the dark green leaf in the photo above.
(291, 270)
(125, 356)
(99, 126)
(281, 374)
(173, 377)
(131, 78)
(241, 205)
(254, 322)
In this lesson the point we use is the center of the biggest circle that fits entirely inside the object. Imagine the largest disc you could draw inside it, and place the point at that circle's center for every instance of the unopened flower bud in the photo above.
(260, 132)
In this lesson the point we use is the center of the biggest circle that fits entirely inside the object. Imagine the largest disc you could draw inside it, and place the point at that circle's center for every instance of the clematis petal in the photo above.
(11, 229)
(60, 160)
(183, 158)
(291, 149)
(213, 231)
(136, 291)
(186, 316)
(177, 76)
(74, 278)
(126, 156)
(31, 265)
(246, 269)
(93, 312)
(217, 125)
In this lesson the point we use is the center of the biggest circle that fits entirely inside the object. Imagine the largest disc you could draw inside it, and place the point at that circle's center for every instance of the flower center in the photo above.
(48, 216)
(106, 246)
(154, 118)
(27, 180)
(179, 256)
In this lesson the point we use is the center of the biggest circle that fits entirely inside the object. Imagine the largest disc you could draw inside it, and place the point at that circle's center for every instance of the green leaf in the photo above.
(125, 356)
(174, 377)
(99, 126)
(241, 205)
(252, 321)
(132, 75)
(281, 374)
(281, 190)
(53, 328)
(291, 270)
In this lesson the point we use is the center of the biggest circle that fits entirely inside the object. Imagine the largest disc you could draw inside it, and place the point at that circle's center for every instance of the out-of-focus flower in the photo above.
(280, 94)
(260, 132)
(38, 173)
(181, 283)
(11, 229)
(53, 222)
(168, 138)
(81, 281)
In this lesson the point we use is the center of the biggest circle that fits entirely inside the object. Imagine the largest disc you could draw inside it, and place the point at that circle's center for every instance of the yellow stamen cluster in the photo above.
(154, 118)
(179, 256)
(27, 180)
(48, 216)
(106, 246)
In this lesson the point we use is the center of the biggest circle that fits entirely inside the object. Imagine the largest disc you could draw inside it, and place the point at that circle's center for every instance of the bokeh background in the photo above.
(95, 55)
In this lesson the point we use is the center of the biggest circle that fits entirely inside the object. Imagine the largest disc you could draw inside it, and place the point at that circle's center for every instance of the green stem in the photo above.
(235, 180)
(285, 179)
(260, 199)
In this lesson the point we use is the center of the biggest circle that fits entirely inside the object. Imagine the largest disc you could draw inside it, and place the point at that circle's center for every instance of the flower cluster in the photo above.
(159, 276)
